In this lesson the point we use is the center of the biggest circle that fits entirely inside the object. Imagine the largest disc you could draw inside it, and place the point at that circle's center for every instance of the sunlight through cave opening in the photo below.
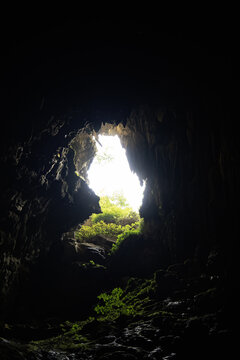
(110, 175)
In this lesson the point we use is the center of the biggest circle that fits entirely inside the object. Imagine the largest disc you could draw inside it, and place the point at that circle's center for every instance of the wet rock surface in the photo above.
(170, 327)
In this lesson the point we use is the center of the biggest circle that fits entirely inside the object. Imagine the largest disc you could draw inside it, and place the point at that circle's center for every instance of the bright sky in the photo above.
(114, 174)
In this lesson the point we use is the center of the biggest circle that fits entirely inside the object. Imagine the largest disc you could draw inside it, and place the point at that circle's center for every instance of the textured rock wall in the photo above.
(41, 198)
(189, 158)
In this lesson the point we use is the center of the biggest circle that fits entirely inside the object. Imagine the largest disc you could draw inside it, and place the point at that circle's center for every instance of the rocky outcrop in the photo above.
(42, 198)
(187, 158)
(183, 312)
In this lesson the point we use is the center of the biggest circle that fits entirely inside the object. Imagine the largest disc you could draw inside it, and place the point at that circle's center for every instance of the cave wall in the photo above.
(174, 116)
(188, 157)
(42, 198)
(191, 183)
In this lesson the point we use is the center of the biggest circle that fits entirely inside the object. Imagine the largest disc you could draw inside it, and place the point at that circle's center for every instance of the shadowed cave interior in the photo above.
(169, 291)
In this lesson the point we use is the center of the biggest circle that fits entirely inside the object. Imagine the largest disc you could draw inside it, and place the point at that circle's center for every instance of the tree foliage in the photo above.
(135, 231)
(110, 231)
(116, 222)
(115, 210)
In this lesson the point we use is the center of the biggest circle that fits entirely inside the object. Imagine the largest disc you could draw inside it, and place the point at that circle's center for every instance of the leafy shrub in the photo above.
(132, 301)
(116, 222)
(113, 306)
(110, 231)
(115, 210)
(135, 230)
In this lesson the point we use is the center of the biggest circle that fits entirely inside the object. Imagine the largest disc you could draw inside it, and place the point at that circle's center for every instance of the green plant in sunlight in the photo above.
(115, 209)
(134, 300)
(134, 231)
(110, 231)
(116, 222)
(113, 306)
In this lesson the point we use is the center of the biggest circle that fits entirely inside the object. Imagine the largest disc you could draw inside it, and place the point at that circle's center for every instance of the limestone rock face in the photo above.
(173, 114)
(42, 198)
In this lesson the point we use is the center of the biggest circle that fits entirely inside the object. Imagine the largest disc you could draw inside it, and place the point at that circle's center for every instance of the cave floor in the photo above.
(171, 315)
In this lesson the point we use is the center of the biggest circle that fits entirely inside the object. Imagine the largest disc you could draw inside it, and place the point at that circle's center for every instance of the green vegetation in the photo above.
(70, 339)
(137, 300)
(115, 210)
(72, 333)
(116, 222)
(114, 306)
(110, 231)
(92, 264)
(135, 231)
(129, 302)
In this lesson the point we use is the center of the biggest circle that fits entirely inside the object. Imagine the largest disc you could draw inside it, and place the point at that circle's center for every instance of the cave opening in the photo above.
(110, 175)
(120, 194)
